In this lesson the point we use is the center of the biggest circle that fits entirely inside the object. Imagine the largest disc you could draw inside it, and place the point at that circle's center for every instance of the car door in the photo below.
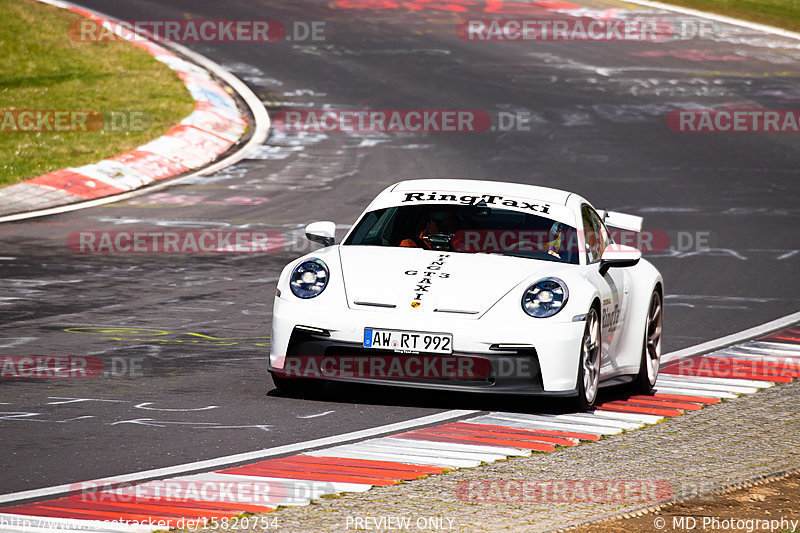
(613, 286)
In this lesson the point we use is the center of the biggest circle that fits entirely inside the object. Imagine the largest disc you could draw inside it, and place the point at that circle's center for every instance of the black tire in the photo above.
(297, 387)
(645, 380)
(589, 364)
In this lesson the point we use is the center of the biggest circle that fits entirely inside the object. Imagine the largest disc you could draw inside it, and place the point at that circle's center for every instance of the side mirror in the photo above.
(618, 256)
(322, 232)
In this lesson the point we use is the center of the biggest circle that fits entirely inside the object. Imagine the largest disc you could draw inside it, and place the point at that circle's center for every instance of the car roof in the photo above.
(519, 190)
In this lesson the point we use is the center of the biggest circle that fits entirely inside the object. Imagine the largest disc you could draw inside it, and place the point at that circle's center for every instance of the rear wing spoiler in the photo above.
(621, 220)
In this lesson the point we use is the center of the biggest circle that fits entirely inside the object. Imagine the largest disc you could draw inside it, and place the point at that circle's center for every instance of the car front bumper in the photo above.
(521, 356)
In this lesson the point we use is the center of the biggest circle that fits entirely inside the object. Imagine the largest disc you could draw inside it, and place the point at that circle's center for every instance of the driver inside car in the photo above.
(438, 233)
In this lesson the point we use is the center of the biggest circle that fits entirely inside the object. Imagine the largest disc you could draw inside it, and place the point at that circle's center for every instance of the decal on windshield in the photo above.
(470, 199)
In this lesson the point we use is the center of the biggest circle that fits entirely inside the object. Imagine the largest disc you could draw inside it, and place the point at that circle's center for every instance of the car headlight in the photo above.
(309, 278)
(545, 298)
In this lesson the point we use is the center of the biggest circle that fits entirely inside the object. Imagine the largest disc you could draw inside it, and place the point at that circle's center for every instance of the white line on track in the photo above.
(590, 418)
(310, 487)
(509, 419)
(733, 339)
(709, 387)
(210, 464)
(396, 457)
(505, 451)
(693, 392)
(736, 382)
(771, 348)
(422, 451)
(627, 417)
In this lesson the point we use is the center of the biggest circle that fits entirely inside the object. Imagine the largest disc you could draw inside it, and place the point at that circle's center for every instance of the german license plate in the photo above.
(408, 341)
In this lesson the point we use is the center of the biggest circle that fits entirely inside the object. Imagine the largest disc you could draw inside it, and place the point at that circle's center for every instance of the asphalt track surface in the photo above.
(599, 128)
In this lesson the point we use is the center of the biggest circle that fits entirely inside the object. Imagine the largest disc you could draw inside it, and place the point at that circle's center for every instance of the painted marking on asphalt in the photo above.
(383, 473)
(490, 422)
(421, 449)
(732, 339)
(766, 343)
(566, 430)
(500, 432)
(268, 470)
(746, 385)
(443, 437)
(66, 400)
(311, 487)
(243, 457)
(686, 398)
(401, 467)
(627, 407)
(789, 361)
(316, 415)
(399, 440)
(146, 405)
(486, 436)
(362, 453)
(696, 392)
(557, 424)
(653, 401)
(723, 372)
(592, 417)
(628, 417)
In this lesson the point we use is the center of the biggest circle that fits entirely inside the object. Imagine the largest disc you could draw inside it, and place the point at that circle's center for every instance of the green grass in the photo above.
(781, 13)
(42, 68)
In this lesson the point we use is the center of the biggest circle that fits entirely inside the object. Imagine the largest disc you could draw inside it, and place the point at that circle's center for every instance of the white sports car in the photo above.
(475, 286)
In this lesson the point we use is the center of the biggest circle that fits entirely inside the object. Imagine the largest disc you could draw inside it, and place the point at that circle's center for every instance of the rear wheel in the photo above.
(589, 367)
(651, 350)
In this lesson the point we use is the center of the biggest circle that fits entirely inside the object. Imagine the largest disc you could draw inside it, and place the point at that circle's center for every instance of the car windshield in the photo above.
(468, 229)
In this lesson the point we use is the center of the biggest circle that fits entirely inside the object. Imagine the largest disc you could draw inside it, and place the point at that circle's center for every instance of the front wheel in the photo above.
(589, 367)
(651, 350)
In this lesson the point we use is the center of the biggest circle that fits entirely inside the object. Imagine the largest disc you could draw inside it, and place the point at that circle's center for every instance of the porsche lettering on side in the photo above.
(473, 286)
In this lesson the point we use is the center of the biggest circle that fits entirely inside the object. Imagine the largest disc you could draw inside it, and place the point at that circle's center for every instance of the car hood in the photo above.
(428, 281)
